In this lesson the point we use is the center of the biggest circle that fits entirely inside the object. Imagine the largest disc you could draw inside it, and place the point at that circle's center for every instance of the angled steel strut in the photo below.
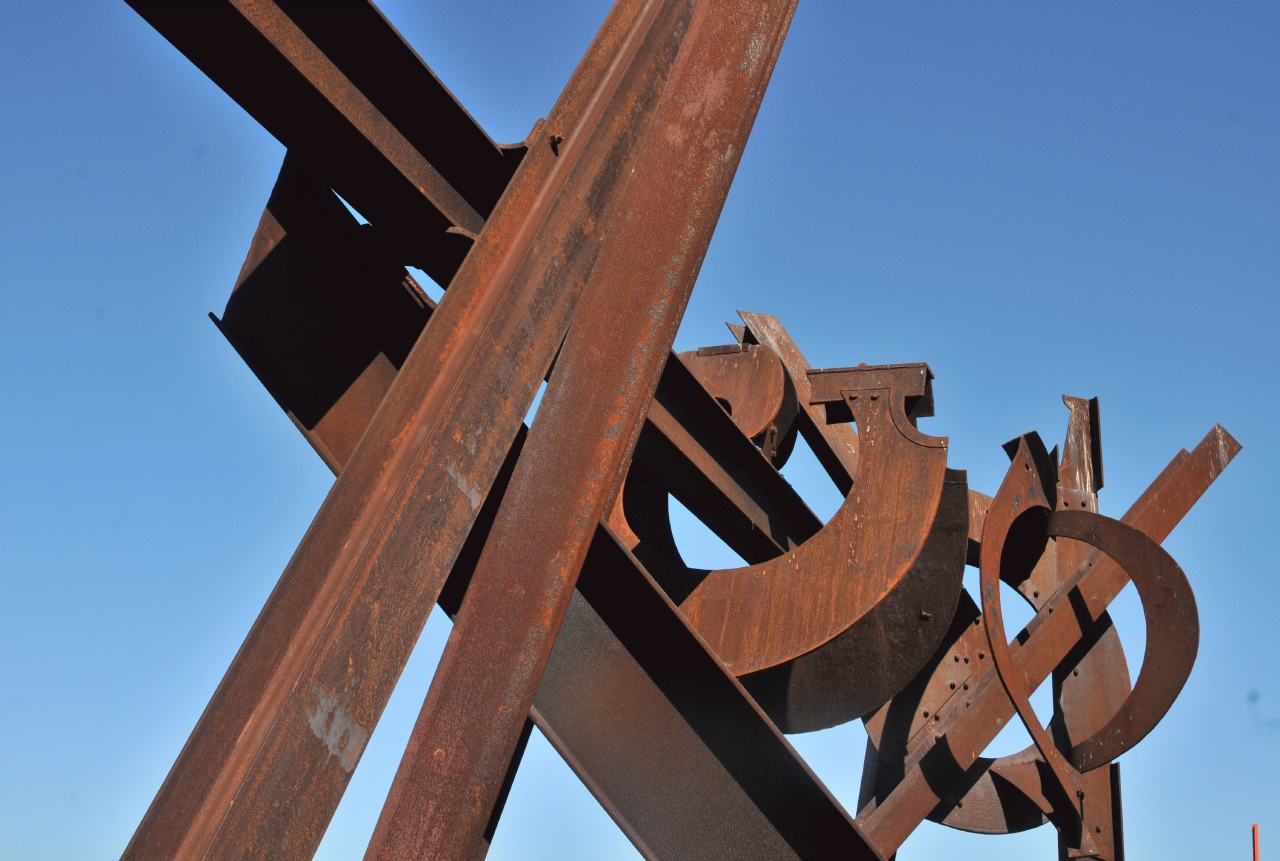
(569, 258)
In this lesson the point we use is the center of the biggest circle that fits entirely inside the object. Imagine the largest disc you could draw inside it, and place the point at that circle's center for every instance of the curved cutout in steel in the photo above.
(763, 615)
(861, 668)
(1173, 630)
(1012, 542)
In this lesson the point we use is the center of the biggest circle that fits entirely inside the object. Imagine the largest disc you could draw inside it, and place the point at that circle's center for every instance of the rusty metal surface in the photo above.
(754, 388)
(322, 313)
(1013, 539)
(941, 767)
(859, 669)
(1173, 631)
(835, 445)
(695, 770)
(719, 475)
(570, 258)
(356, 116)
(661, 781)
(337, 630)
(588, 420)
(763, 615)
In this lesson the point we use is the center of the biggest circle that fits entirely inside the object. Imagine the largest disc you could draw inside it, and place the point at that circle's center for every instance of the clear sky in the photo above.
(1035, 198)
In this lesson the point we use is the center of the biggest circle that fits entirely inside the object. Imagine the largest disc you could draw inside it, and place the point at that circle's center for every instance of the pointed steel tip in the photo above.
(1229, 443)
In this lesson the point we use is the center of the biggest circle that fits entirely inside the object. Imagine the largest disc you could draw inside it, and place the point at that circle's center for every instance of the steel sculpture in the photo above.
(569, 258)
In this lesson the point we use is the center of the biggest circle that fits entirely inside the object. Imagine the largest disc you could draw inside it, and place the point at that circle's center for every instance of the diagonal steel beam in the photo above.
(587, 424)
(337, 85)
(264, 768)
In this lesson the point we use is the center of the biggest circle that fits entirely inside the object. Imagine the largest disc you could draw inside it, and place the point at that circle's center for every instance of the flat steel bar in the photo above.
(263, 770)
(587, 423)
(717, 473)
(964, 731)
(835, 445)
(336, 88)
(376, 59)
(663, 734)
(259, 55)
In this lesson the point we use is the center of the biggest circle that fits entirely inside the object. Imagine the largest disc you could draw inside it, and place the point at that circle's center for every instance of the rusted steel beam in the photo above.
(264, 768)
(587, 423)
(665, 736)
(335, 83)
(715, 471)
(322, 313)
(967, 723)
(835, 445)
(648, 774)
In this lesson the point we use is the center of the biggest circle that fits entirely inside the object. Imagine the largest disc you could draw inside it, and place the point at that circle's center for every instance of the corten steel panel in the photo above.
(318, 299)
(587, 423)
(337, 630)
(764, 615)
(699, 768)
(717, 473)
(972, 720)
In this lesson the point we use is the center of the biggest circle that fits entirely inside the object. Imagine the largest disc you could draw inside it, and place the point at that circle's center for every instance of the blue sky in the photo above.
(1035, 198)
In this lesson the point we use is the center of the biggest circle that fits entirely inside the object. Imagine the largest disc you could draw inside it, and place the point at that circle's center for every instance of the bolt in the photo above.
(556, 140)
